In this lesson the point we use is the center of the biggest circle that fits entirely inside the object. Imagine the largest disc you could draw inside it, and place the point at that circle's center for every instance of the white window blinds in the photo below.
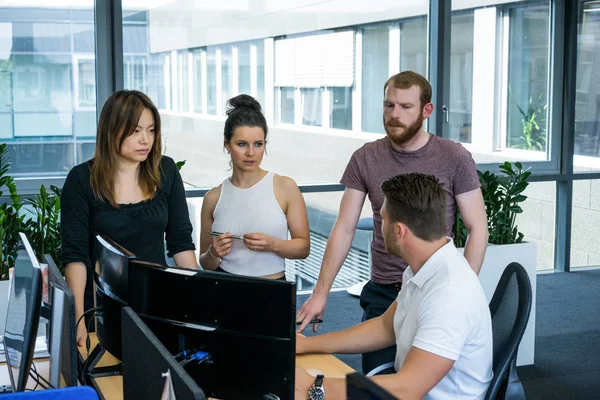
(315, 61)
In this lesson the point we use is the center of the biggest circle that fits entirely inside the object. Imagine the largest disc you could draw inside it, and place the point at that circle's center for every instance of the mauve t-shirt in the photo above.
(378, 161)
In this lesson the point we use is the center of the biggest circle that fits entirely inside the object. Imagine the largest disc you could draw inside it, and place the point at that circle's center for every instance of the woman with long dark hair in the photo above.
(128, 192)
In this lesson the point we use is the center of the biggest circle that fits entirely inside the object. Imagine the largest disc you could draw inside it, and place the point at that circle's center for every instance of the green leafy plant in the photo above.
(502, 196)
(533, 124)
(43, 231)
(11, 220)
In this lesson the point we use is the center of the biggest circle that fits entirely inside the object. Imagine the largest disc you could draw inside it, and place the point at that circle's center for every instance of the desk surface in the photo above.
(112, 386)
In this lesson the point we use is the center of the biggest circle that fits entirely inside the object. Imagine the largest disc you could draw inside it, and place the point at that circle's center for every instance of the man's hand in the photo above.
(303, 382)
(314, 307)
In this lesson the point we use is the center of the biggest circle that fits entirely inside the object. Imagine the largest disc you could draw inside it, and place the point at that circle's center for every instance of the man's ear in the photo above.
(400, 230)
(427, 110)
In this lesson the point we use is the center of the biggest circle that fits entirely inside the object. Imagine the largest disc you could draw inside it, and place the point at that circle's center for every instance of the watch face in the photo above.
(316, 393)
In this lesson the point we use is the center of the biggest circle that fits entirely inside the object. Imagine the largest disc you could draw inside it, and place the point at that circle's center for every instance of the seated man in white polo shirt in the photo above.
(440, 322)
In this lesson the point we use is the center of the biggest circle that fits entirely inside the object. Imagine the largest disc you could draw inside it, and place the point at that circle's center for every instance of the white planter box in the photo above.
(497, 257)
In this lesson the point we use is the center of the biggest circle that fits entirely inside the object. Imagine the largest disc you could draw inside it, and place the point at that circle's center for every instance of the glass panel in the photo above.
(413, 45)
(83, 38)
(87, 83)
(197, 73)
(461, 77)
(183, 82)
(41, 37)
(341, 108)
(375, 72)
(287, 105)
(211, 80)
(312, 106)
(499, 69)
(260, 71)
(537, 222)
(587, 97)
(585, 238)
(244, 85)
(528, 78)
(47, 85)
(226, 76)
(322, 212)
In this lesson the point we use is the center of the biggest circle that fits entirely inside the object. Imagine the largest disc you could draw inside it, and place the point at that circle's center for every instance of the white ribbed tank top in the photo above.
(251, 210)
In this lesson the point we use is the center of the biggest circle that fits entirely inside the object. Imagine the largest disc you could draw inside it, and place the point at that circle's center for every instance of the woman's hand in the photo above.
(221, 245)
(81, 333)
(259, 242)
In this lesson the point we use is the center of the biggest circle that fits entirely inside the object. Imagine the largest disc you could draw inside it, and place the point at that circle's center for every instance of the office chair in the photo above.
(510, 308)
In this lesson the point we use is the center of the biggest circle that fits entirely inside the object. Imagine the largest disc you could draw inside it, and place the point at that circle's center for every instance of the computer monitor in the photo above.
(111, 267)
(145, 360)
(247, 325)
(359, 387)
(111, 278)
(23, 314)
(62, 331)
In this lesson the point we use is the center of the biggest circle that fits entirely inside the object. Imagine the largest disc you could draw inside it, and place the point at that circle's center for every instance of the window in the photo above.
(461, 77)
(199, 80)
(227, 89)
(375, 72)
(413, 45)
(341, 108)
(587, 98)
(47, 87)
(499, 80)
(286, 105)
(211, 80)
(244, 68)
(312, 107)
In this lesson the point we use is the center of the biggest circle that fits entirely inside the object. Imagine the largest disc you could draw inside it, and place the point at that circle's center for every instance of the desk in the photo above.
(111, 387)
(43, 368)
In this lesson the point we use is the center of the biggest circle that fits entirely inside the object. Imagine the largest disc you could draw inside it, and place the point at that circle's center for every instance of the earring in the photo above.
(228, 152)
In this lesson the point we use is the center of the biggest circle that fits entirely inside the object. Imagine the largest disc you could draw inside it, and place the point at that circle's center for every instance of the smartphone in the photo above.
(312, 321)
(213, 233)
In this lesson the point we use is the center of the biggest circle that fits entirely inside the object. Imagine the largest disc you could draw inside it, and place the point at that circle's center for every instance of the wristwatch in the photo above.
(316, 391)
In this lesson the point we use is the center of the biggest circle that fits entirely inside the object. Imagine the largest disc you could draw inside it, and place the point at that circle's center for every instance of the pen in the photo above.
(213, 233)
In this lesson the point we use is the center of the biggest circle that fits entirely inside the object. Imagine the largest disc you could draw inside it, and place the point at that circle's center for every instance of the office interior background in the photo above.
(513, 81)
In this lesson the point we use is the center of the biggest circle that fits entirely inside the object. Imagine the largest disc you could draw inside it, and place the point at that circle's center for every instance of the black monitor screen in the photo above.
(248, 325)
(111, 268)
(63, 344)
(22, 316)
(359, 387)
(145, 360)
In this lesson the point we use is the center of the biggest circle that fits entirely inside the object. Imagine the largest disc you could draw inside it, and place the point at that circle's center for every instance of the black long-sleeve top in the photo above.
(140, 228)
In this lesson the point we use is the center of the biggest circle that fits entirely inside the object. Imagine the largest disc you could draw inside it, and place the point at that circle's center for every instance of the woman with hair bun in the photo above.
(245, 220)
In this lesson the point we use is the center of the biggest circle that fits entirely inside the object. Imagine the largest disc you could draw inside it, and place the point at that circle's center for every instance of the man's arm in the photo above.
(336, 251)
(371, 335)
(472, 209)
(419, 374)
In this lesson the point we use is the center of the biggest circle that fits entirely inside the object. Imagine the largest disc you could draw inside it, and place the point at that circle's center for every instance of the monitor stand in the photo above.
(89, 370)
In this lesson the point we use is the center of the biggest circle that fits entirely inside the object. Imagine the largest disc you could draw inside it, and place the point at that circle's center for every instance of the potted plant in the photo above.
(43, 230)
(503, 196)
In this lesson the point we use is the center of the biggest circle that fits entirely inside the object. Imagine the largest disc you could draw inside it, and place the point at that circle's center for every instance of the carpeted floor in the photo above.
(567, 355)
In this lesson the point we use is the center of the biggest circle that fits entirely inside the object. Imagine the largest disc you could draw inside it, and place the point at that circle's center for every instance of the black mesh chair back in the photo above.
(510, 308)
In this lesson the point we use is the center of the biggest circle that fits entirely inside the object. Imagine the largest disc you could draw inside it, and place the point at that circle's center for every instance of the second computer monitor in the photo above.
(23, 315)
(63, 334)
(145, 360)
